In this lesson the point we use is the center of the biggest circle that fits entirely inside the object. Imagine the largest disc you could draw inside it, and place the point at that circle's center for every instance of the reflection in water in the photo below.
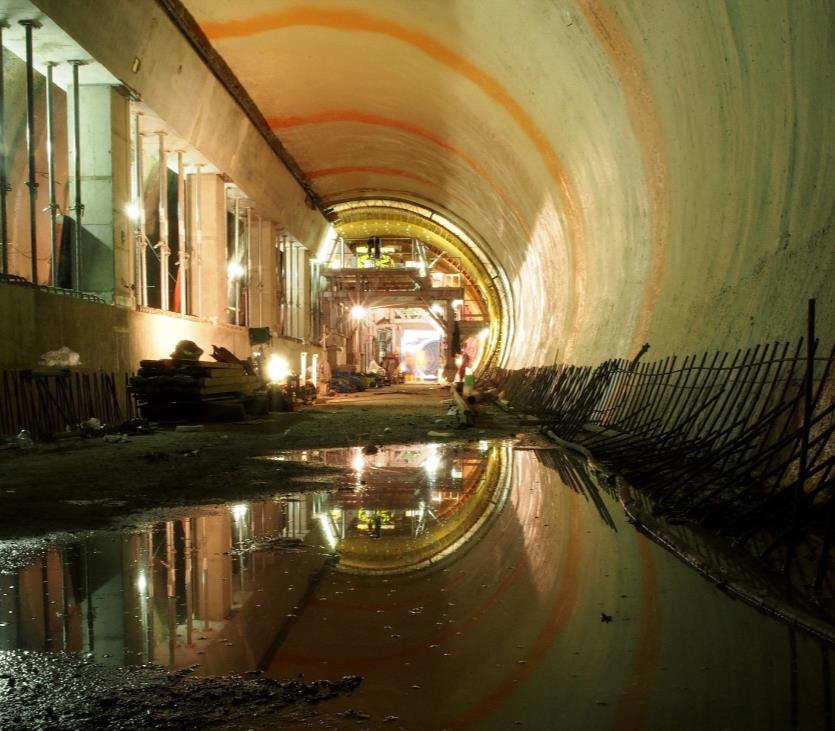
(186, 591)
(465, 583)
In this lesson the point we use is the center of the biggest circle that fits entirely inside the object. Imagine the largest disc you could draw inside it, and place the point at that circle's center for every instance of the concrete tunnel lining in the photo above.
(637, 166)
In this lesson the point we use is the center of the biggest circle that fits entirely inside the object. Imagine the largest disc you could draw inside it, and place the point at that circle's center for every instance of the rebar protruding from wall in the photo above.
(183, 255)
(50, 156)
(78, 205)
(31, 142)
(162, 244)
(4, 186)
(140, 279)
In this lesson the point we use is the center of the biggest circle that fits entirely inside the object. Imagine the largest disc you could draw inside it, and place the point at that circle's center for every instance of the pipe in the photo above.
(4, 187)
(198, 238)
(183, 256)
(140, 240)
(78, 207)
(237, 258)
(162, 245)
(50, 156)
(31, 142)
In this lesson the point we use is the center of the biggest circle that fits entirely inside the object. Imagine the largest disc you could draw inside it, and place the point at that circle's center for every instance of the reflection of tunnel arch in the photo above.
(390, 216)
(405, 555)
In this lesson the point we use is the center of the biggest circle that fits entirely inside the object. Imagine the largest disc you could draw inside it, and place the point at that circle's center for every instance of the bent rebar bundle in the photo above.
(740, 443)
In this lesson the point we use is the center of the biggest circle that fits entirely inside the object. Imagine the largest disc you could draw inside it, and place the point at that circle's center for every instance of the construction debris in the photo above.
(174, 389)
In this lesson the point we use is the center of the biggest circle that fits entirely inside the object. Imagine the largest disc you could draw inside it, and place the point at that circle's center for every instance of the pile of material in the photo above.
(173, 389)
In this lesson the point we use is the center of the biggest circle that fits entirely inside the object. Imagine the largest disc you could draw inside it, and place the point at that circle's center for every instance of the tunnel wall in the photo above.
(644, 172)
(112, 339)
(700, 153)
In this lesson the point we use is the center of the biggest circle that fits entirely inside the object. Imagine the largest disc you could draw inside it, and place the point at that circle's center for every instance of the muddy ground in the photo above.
(78, 484)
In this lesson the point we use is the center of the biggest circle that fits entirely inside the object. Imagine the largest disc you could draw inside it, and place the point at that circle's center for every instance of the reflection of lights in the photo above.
(456, 473)
(133, 211)
(234, 270)
(358, 312)
(335, 264)
(141, 583)
(433, 461)
(436, 497)
(239, 511)
(327, 530)
(277, 369)
(438, 309)
(358, 461)
(457, 303)
(484, 334)
(403, 367)
(483, 445)
(459, 359)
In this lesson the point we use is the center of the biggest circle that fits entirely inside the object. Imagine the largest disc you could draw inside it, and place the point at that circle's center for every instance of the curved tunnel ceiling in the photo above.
(637, 171)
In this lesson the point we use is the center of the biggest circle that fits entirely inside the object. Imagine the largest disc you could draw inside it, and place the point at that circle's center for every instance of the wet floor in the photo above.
(472, 586)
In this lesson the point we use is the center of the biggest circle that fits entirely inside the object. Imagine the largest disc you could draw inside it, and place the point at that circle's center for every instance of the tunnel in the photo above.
(585, 248)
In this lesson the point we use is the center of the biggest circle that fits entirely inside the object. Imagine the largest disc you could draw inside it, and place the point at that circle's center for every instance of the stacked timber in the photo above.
(171, 388)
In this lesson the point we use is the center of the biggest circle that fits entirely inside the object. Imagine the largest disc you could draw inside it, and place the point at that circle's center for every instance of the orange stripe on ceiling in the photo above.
(632, 709)
(354, 20)
(333, 116)
(377, 169)
(646, 125)
(382, 170)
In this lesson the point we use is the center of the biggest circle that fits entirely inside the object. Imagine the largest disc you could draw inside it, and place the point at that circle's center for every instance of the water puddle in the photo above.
(471, 585)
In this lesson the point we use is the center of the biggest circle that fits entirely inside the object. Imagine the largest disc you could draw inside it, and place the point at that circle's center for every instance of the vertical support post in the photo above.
(78, 205)
(162, 245)
(314, 371)
(260, 272)
(237, 257)
(140, 240)
(804, 435)
(183, 256)
(4, 186)
(31, 142)
(248, 313)
(198, 237)
(282, 277)
(50, 156)
(303, 369)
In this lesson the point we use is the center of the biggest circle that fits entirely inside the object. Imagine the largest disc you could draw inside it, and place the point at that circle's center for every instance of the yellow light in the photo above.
(457, 303)
(277, 369)
(437, 309)
(133, 211)
(358, 312)
(235, 270)
(484, 334)
(239, 511)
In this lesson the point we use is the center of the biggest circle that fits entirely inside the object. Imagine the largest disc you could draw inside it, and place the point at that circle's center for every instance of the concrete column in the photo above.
(266, 307)
(208, 262)
(106, 259)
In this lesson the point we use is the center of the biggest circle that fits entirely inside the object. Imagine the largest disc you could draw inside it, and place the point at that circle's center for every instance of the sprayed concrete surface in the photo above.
(467, 585)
